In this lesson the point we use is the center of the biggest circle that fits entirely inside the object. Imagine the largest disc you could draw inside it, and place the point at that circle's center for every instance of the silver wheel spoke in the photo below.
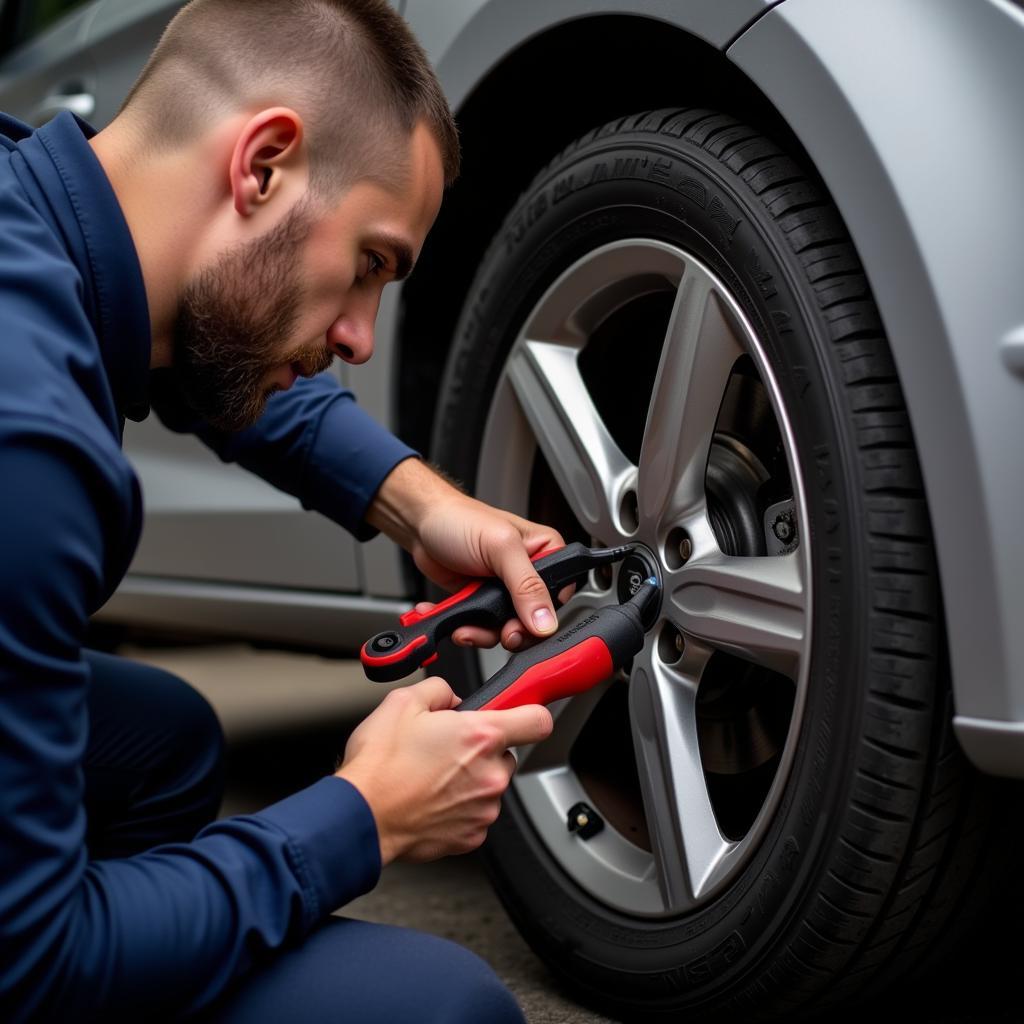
(586, 461)
(753, 607)
(685, 837)
(698, 354)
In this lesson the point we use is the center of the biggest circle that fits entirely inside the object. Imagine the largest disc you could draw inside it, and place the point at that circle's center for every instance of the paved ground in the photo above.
(287, 716)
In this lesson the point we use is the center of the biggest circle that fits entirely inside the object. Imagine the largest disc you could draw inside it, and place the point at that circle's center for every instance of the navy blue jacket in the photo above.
(79, 937)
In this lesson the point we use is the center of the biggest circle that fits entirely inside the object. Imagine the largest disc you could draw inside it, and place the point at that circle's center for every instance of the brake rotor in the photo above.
(740, 723)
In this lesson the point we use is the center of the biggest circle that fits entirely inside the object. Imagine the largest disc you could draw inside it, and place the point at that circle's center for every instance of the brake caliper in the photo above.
(780, 535)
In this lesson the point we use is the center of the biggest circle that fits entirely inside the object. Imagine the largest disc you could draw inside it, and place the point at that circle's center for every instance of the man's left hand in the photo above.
(453, 537)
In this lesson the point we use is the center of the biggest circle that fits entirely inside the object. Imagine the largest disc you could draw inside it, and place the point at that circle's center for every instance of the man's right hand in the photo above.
(433, 778)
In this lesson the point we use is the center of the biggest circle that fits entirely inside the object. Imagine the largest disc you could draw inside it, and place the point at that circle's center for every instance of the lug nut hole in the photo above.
(670, 644)
(601, 578)
(678, 548)
(629, 512)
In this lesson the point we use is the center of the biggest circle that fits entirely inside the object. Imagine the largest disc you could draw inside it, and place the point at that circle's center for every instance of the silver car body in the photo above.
(909, 110)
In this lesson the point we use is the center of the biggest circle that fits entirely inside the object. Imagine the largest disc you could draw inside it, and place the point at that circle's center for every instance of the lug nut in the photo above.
(602, 577)
(670, 644)
(678, 548)
(584, 821)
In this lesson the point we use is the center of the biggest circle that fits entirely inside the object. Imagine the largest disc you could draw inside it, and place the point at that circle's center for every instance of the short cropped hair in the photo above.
(351, 68)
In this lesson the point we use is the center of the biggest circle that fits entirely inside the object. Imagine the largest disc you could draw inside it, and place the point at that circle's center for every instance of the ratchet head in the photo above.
(646, 600)
(572, 661)
(641, 565)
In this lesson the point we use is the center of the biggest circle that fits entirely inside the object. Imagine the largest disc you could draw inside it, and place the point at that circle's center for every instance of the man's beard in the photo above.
(232, 323)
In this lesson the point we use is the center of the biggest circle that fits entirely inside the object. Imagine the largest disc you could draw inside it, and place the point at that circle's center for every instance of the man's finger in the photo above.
(530, 723)
(474, 636)
(434, 694)
(514, 636)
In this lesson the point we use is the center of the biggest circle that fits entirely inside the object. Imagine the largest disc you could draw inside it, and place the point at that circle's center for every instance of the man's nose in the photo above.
(351, 338)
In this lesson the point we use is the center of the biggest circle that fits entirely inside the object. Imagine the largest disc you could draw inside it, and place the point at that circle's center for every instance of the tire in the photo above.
(855, 825)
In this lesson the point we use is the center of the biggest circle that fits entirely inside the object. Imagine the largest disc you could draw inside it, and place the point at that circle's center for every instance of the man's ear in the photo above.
(267, 151)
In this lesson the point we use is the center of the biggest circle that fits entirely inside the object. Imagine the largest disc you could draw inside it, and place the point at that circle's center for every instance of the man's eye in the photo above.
(375, 264)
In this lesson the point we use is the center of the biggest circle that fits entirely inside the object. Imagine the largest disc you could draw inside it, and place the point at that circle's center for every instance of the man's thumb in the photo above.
(530, 595)
(434, 694)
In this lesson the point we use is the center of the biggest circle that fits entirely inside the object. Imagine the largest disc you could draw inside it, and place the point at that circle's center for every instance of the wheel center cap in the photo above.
(636, 567)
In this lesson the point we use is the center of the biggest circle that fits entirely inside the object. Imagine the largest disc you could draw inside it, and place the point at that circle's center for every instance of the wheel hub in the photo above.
(636, 567)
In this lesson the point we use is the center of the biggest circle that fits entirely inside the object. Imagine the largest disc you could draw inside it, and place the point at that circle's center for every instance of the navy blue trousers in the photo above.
(154, 773)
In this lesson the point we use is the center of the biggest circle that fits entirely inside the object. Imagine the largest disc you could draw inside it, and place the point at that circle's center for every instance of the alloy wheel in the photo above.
(637, 406)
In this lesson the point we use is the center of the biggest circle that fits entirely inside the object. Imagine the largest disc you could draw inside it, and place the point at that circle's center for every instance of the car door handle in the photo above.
(81, 103)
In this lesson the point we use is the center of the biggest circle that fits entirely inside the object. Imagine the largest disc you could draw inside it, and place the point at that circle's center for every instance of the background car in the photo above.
(737, 280)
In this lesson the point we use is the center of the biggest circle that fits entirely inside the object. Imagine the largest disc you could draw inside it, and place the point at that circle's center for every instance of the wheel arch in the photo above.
(512, 123)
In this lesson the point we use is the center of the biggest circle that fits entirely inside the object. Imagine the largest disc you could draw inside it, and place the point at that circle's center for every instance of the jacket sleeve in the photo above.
(171, 927)
(313, 441)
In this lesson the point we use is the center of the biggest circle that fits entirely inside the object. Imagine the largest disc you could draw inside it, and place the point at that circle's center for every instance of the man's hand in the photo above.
(434, 778)
(453, 537)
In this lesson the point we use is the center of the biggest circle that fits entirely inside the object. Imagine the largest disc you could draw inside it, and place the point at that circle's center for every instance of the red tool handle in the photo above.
(572, 671)
(570, 662)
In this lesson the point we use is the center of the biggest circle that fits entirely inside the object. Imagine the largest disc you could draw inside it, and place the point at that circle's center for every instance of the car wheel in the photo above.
(671, 343)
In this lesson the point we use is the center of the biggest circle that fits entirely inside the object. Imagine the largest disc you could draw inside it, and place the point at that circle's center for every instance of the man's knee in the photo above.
(188, 740)
(474, 992)
(349, 971)
(425, 979)
(200, 730)
(155, 763)
(194, 772)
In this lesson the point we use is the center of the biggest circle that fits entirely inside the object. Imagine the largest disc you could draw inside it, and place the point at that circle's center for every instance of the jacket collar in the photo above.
(89, 219)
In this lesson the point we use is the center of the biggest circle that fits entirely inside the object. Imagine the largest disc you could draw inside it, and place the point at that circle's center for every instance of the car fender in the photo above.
(465, 38)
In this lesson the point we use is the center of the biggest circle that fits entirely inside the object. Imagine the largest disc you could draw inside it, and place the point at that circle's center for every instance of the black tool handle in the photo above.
(397, 652)
(570, 662)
